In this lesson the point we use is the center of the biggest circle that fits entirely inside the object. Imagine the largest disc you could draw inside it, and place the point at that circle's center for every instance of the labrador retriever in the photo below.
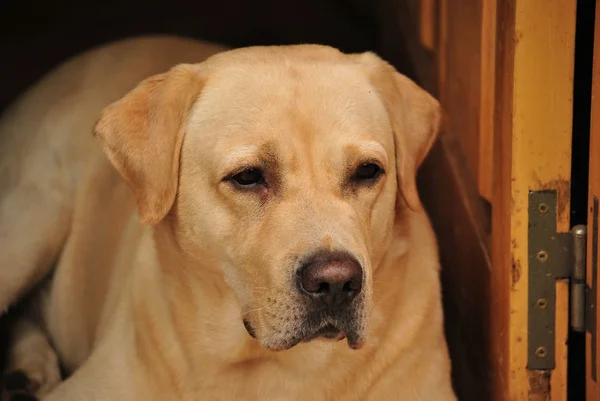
(243, 226)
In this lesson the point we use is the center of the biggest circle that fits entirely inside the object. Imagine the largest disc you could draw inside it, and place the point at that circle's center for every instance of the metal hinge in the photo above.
(555, 256)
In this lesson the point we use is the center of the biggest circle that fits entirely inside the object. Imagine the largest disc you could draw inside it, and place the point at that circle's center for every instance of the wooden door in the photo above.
(592, 341)
(532, 155)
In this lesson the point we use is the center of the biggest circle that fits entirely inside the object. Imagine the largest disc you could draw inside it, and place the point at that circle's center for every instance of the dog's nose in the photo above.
(331, 278)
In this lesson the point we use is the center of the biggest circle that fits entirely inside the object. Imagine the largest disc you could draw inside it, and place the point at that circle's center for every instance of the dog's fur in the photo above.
(161, 257)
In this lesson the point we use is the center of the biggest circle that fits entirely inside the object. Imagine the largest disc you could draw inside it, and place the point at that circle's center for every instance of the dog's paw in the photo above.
(17, 386)
(33, 366)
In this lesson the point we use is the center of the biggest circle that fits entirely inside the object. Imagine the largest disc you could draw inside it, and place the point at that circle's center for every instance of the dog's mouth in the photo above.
(308, 333)
(335, 325)
(328, 332)
(336, 331)
(249, 329)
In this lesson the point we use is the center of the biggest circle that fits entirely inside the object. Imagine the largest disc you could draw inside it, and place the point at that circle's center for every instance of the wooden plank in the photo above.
(462, 62)
(427, 24)
(593, 253)
(504, 270)
(485, 177)
(466, 61)
(404, 24)
(532, 152)
(441, 57)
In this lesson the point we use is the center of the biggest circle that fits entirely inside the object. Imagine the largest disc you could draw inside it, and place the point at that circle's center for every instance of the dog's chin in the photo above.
(326, 333)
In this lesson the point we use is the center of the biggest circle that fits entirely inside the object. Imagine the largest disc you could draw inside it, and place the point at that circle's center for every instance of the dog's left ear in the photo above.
(415, 116)
(142, 135)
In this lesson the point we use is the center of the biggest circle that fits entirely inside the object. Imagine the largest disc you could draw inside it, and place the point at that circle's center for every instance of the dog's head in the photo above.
(283, 168)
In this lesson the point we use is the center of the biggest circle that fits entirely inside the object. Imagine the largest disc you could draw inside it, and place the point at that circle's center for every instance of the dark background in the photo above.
(37, 35)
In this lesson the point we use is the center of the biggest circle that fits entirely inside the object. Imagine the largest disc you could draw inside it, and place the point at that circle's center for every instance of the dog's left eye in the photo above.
(248, 178)
(367, 172)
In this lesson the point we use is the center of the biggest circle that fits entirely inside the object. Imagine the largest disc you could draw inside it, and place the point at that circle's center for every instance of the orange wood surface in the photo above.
(427, 24)
(460, 65)
(594, 192)
(532, 152)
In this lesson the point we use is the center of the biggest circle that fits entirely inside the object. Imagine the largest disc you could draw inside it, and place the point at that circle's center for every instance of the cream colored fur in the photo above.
(159, 259)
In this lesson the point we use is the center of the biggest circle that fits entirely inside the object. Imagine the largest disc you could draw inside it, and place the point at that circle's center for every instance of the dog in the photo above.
(200, 223)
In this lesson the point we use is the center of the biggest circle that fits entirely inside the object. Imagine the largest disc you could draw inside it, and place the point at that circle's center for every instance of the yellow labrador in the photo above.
(243, 227)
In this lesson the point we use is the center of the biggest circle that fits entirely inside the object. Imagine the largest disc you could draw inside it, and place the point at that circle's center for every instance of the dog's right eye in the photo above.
(248, 178)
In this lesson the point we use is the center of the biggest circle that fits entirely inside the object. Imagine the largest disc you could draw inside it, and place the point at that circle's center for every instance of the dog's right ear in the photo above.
(415, 117)
(142, 135)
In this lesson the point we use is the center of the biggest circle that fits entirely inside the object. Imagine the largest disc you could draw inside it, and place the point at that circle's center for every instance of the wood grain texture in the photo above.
(466, 65)
(461, 94)
(427, 24)
(485, 178)
(592, 390)
(504, 270)
(441, 65)
(532, 152)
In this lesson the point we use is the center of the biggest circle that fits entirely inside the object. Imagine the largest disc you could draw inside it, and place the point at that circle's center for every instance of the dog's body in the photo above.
(156, 311)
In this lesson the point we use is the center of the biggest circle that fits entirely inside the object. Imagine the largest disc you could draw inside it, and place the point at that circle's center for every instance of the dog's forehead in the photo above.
(276, 54)
(290, 80)
(283, 93)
